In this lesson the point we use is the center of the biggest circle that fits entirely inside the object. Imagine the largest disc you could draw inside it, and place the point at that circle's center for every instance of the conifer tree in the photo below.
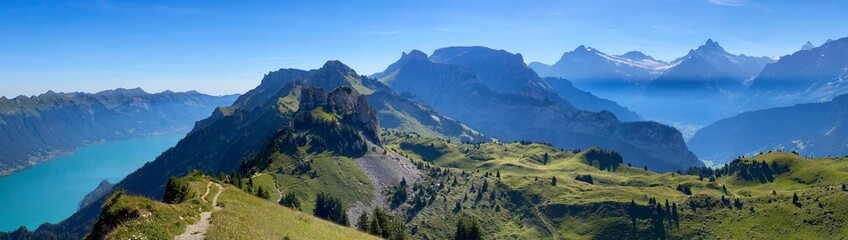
(362, 222)
(467, 228)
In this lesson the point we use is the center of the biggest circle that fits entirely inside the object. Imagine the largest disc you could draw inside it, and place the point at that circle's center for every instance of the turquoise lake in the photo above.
(51, 191)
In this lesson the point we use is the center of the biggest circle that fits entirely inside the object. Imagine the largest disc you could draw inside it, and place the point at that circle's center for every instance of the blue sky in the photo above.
(222, 47)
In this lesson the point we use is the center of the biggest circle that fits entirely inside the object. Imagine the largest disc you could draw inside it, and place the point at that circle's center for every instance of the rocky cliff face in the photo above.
(351, 109)
(499, 70)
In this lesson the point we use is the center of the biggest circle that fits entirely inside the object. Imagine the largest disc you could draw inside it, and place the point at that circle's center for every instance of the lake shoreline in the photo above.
(49, 156)
(51, 191)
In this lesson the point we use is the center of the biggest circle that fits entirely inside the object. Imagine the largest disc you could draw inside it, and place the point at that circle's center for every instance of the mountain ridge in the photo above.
(811, 129)
(805, 76)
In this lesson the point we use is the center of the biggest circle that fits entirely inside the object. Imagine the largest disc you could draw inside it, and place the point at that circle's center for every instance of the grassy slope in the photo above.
(521, 164)
(773, 216)
(159, 220)
(814, 180)
(244, 216)
(411, 125)
(336, 175)
(356, 83)
(248, 217)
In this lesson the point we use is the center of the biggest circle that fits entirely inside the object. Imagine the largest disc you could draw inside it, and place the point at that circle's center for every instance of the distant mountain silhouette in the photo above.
(807, 46)
(595, 71)
(708, 71)
(813, 75)
(697, 88)
(813, 129)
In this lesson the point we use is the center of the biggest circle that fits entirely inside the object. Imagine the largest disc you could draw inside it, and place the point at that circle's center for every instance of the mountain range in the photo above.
(593, 70)
(455, 81)
(708, 70)
(813, 75)
(37, 128)
(694, 89)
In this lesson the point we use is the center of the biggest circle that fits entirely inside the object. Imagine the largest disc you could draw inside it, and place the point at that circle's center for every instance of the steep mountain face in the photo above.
(508, 72)
(395, 111)
(399, 113)
(587, 101)
(499, 70)
(394, 67)
(458, 91)
(35, 129)
(270, 86)
(339, 122)
(814, 75)
(596, 71)
(815, 129)
(709, 70)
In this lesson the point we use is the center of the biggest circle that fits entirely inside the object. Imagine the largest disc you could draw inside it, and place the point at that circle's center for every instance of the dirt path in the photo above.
(280, 191)
(545, 222)
(207, 192)
(199, 229)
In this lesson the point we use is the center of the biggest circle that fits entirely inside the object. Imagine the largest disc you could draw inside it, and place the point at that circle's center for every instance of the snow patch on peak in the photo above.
(632, 59)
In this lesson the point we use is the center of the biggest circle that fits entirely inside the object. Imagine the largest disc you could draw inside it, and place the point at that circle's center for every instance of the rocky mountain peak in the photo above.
(414, 54)
(336, 66)
(710, 46)
(807, 46)
(582, 48)
(123, 92)
(636, 56)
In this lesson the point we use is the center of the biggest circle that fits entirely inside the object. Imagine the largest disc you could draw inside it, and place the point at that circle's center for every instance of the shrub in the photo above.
(177, 190)
(111, 216)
